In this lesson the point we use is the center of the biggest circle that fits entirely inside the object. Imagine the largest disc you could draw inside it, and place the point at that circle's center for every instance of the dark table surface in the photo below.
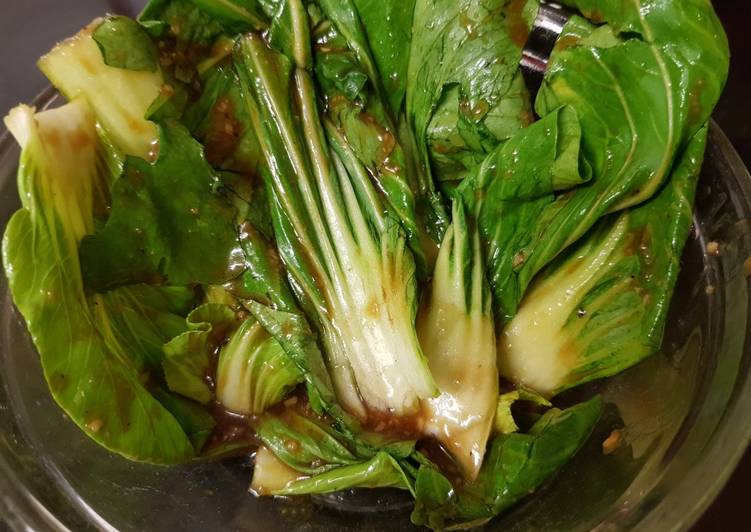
(30, 27)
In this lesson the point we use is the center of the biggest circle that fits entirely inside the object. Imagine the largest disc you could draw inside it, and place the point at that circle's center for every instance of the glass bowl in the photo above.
(685, 412)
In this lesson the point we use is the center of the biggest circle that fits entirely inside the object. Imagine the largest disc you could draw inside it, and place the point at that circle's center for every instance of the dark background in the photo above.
(28, 28)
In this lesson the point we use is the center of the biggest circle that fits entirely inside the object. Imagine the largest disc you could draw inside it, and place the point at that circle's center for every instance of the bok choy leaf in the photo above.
(601, 307)
(168, 222)
(125, 44)
(515, 466)
(649, 57)
(355, 106)
(188, 356)
(381, 471)
(456, 331)
(349, 264)
(388, 27)
(254, 372)
(119, 97)
(93, 374)
(465, 91)
(304, 444)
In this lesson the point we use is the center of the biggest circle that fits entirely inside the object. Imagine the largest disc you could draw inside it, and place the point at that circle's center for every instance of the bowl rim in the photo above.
(731, 441)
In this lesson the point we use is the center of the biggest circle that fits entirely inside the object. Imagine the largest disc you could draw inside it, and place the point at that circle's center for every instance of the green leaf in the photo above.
(125, 44)
(465, 93)
(550, 150)
(504, 422)
(145, 317)
(94, 377)
(264, 280)
(339, 68)
(254, 372)
(187, 357)
(388, 27)
(362, 117)
(382, 471)
(195, 420)
(609, 294)
(235, 15)
(304, 444)
(220, 121)
(168, 222)
(515, 466)
(343, 14)
(434, 496)
(181, 19)
(293, 333)
(289, 31)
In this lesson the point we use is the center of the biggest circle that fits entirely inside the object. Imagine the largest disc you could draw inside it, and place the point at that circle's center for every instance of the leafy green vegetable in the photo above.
(187, 356)
(289, 31)
(94, 377)
(219, 120)
(515, 466)
(168, 222)
(293, 333)
(195, 420)
(465, 92)
(388, 27)
(381, 471)
(343, 14)
(254, 371)
(144, 317)
(181, 19)
(279, 163)
(456, 331)
(195, 35)
(264, 280)
(304, 444)
(549, 150)
(336, 65)
(349, 264)
(234, 15)
(120, 98)
(602, 307)
(658, 62)
(504, 422)
(355, 107)
(125, 44)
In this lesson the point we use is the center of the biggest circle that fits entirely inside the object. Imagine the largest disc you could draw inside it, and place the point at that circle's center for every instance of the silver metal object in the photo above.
(546, 29)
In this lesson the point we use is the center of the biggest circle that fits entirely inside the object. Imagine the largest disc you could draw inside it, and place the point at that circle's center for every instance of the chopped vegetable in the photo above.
(254, 371)
(119, 97)
(457, 333)
(602, 308)
(80, 336)
(349, 262)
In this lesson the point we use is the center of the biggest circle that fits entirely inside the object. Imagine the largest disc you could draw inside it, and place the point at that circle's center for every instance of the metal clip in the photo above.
(547, 27)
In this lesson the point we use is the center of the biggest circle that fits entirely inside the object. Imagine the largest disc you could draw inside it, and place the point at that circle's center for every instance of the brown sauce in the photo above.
(517, 26)
(224, 132)
(408, 427)
(443, 460)
(566, 42)
(232, 431)
(385, 138)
